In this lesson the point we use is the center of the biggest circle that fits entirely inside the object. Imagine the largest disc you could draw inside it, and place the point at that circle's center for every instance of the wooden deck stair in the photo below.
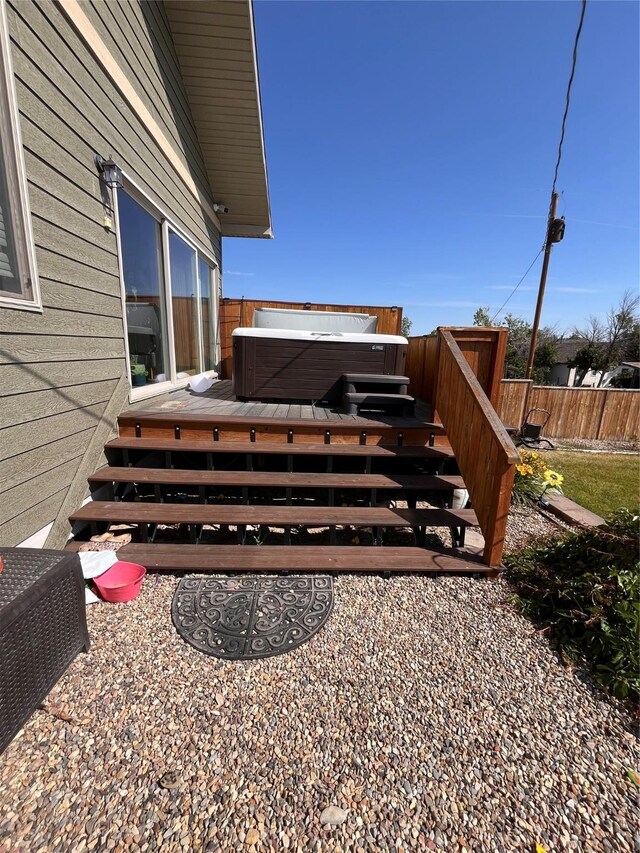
(298, 558)
(174, 470)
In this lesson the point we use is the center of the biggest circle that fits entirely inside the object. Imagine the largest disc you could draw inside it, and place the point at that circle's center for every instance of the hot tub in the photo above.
(289, 364)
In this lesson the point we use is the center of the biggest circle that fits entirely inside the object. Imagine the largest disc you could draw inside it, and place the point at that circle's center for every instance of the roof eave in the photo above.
(192, 25)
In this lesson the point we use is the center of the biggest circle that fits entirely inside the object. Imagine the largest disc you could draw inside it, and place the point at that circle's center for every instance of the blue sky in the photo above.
(411, 147)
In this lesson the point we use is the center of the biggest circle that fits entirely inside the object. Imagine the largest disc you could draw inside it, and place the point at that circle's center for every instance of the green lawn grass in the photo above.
(601, 482)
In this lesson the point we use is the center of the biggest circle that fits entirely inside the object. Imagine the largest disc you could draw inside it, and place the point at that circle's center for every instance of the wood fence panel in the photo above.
(483, 349)
(421, 366)
(591, 413)
(512, 402)
(575, 412)
(239, 312)
(621, 414)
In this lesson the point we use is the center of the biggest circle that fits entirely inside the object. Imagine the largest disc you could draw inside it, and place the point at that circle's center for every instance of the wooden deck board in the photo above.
(274, 516)
(294, 558)
(219, 400)
(276, 479)
(306, 449)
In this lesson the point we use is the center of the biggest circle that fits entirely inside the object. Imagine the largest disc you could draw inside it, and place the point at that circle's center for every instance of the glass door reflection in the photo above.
(184, 305)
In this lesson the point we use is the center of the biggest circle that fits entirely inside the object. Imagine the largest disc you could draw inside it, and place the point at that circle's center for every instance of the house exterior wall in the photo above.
(559, 375)
(63, 371)
(562, 374)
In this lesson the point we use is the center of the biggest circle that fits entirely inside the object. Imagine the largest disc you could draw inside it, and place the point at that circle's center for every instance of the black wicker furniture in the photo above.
(43, 626)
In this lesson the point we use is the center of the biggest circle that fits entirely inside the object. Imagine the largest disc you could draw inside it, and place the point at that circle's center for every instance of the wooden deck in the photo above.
(219, 400)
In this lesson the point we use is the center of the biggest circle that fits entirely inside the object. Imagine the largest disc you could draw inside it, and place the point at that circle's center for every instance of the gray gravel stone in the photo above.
(411, 677)
(332, 816)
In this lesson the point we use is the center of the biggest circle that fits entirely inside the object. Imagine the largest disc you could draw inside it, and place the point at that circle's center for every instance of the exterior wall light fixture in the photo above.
(110, 173)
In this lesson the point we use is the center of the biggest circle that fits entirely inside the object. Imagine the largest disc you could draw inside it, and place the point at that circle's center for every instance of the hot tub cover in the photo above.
(314, 321)
(323, 337)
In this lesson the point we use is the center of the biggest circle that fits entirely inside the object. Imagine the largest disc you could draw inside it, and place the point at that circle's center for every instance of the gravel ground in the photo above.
(426, 709)
(526, 525)
(602, 446)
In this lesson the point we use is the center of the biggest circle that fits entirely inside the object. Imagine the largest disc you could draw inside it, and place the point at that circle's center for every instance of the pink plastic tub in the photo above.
(121, 582)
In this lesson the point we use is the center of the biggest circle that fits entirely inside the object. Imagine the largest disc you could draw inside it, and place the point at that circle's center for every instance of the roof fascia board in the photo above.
(268, 231)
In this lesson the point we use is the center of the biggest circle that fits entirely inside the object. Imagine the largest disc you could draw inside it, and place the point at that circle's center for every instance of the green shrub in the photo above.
(586, 588)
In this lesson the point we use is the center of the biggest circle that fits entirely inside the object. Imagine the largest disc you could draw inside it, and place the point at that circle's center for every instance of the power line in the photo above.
(568, 96)
(555, 227)
(517, 285)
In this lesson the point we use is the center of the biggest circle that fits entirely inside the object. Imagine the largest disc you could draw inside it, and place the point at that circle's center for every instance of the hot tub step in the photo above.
(357, 402)
(370, 382)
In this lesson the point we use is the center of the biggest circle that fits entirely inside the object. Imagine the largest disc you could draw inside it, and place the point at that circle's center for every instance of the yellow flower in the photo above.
(553, 478)
(524, 469)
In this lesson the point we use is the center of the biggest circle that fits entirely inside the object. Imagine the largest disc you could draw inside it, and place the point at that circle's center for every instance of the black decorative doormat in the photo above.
(248, 617)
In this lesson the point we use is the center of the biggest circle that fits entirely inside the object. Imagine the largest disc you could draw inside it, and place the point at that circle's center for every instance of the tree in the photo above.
(631, 351)
(625, 379)
(610, 341)
(481, 317)
(590, 357)
(518, 342)
(405, 328)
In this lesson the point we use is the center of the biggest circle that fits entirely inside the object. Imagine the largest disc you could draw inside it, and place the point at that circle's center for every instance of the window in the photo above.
(207, 313)
(18, 283)
(169, 293)
(140, 247)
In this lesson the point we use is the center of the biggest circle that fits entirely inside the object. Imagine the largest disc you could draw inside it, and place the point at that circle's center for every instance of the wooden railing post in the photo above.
(483, 450)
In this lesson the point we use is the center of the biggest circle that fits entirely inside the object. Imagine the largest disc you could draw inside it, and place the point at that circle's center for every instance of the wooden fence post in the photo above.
(605, 397)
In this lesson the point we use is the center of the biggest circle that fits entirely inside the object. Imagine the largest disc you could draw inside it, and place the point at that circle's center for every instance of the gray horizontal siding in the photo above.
(32, 349)
(129, 25)
(16, 379)
(17, 440)
(27, 408)
(95, 112)
(60, 370)
(32, 463)
(21, 498)
(30, 518)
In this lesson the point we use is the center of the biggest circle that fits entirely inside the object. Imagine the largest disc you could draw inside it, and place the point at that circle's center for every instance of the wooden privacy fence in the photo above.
(594, 413)
(239, 312)
(483, 450)
(512, 402)
(483, 349)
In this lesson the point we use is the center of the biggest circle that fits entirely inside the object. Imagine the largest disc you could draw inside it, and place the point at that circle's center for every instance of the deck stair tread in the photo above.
(273, 558)
(317, 516)
(371, 397)
(268, 447)
(276, 479)
(375, 378)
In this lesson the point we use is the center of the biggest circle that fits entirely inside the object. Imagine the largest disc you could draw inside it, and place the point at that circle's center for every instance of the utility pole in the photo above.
(543, 281)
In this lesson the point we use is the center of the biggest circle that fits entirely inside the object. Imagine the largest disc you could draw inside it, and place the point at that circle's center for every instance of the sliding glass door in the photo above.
(184, 304)
(146, 316)
(208, 313)
(170, 296)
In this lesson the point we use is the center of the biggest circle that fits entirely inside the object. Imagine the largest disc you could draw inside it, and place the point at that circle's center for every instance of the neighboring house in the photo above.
(562, 374)
(631, 369)
(94, 278)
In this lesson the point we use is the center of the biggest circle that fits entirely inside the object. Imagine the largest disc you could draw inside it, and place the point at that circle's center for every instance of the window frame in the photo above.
(16, 178)
(215, 295)
(167, 223)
